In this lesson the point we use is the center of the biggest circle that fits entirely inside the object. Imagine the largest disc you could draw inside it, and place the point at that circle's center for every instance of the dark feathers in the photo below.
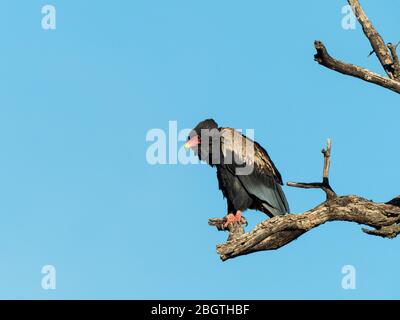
(246, 174)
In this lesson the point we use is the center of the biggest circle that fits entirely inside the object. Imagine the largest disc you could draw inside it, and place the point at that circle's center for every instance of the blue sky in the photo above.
(77, 102)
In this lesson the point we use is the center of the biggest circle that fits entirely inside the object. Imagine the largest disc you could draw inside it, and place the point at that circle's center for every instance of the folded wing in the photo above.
(251, 164)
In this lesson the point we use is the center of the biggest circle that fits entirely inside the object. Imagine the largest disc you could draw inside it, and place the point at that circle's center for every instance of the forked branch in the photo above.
(386, 55)
(324, 185)
(274, 233)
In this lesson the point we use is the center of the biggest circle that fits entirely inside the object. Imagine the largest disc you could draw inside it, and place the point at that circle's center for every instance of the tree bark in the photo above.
(386, 54)
(323, 58)
(274, 233)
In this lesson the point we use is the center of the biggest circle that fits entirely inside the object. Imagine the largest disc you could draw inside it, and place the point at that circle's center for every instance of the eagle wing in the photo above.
(251, 164)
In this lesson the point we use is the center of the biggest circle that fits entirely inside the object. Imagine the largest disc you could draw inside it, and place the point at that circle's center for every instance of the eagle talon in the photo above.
(243, 220)
(231, 218)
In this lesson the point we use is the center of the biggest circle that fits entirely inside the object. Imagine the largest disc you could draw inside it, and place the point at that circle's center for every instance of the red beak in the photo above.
(192, 142)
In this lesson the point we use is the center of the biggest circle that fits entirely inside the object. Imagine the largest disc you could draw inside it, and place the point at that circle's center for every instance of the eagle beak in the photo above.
(192, 142)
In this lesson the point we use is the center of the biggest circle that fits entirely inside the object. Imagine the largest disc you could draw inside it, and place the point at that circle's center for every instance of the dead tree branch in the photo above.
(386, 54)
(274, 233)
(324, 185)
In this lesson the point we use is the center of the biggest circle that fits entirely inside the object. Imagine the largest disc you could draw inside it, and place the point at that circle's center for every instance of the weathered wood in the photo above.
(324, 185)
(386, 54)
(274, 233)
(396, 64)
(323, 58)
(277, 232)
(375, 39)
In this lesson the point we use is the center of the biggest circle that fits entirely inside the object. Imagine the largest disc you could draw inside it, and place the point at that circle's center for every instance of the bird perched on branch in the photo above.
(246, 174)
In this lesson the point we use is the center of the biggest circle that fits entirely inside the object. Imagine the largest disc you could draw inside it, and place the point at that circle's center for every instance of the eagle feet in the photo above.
(232, 218)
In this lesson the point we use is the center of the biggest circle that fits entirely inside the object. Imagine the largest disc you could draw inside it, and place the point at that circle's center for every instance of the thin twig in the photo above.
(324, 185)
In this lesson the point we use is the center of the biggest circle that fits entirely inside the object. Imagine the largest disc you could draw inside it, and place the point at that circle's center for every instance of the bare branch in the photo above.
(396, 65)
(274, 233)
(324, 185)
(323, 58)
(374, 38)
(386, 54)
(235, 229)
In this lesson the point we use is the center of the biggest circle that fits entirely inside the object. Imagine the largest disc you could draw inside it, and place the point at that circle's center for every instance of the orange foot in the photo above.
(230, 218)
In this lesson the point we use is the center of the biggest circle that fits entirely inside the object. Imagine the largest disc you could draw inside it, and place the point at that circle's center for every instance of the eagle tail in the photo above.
(277, 205)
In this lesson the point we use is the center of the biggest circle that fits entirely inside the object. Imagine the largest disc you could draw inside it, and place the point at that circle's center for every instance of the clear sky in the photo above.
(77, 102)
